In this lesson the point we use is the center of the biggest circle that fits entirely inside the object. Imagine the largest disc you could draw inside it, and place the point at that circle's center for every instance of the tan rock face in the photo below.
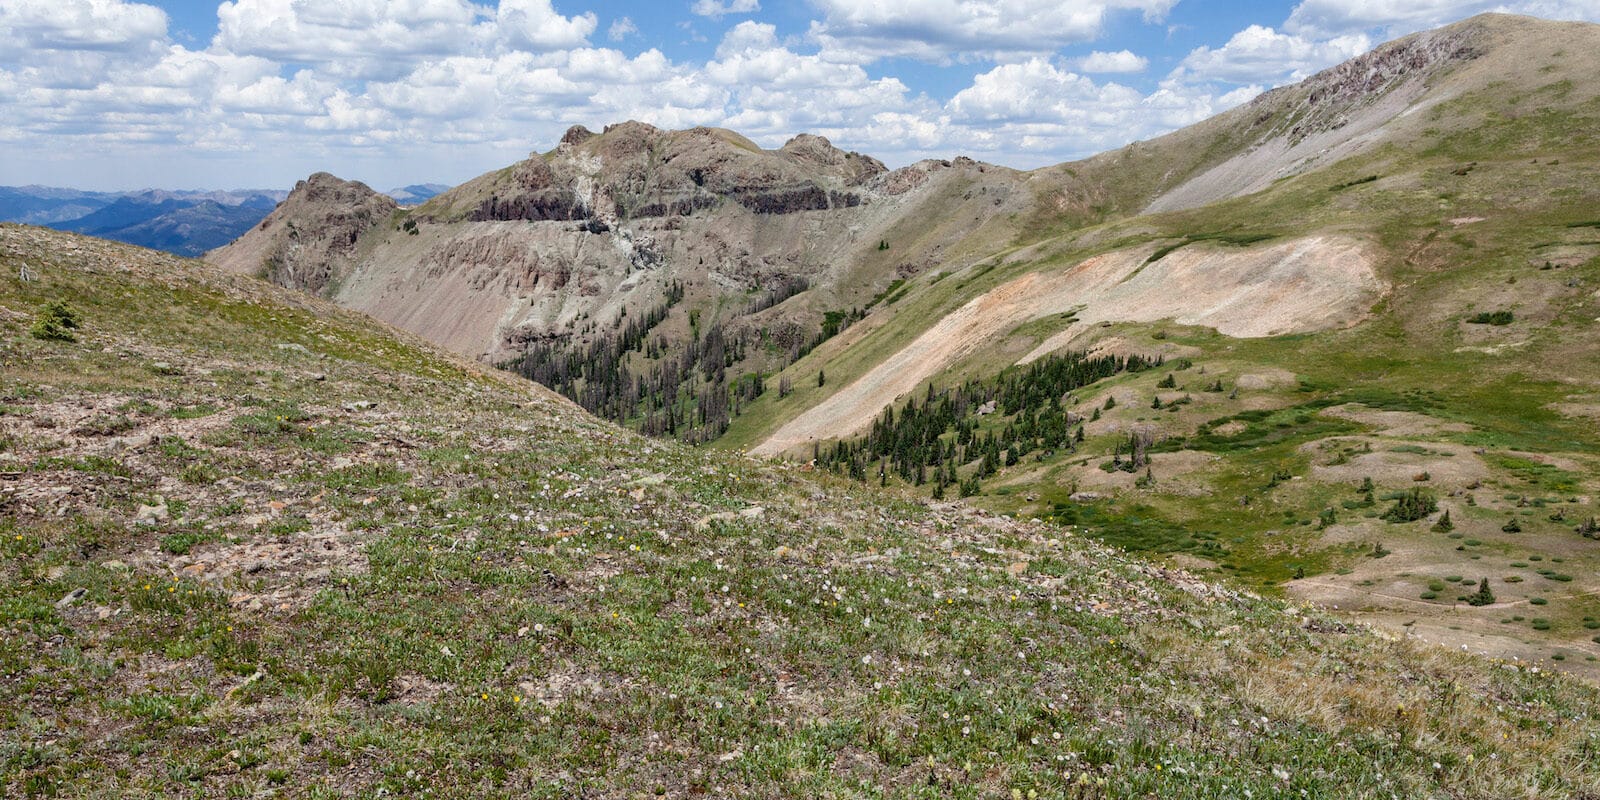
(561, 241)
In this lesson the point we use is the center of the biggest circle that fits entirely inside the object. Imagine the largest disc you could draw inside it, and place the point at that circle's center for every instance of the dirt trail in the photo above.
(1315, 283)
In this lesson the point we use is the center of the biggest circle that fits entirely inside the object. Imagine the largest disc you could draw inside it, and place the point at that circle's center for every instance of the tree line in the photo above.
(930, 440)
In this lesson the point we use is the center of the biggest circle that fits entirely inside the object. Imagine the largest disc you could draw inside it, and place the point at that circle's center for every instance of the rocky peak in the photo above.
(311, 234)
(809, 149)
(577, 135)
(323, 187)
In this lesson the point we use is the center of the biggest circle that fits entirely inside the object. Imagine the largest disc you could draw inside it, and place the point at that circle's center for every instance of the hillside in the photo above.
(1410, 308)
(1376, 286)
(256, 544)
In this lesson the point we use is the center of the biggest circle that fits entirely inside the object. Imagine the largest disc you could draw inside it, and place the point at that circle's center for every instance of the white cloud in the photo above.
(1120, 61)
(943, 30)
(714, 8)
(1328, 18)
(404, 89)
(621, 29)
(535, 25)
(381, 39)
(1259, 54)
(774, 91)
(79, 25)
(1035, 113)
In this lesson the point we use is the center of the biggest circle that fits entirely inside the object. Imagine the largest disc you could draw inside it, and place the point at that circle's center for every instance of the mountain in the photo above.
(1277, 347)
(274, 546)
(182, 222)
(43, 205)
(539, 251)
(416, 193)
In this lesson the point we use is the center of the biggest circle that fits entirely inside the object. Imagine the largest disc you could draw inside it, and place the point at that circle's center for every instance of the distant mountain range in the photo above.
(187, 223)
(416, 193)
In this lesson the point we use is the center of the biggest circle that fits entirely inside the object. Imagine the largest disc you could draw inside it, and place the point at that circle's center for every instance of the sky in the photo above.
(180, 94)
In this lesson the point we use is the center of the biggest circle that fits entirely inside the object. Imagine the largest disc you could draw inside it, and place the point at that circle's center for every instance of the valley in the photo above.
(1422, 248)
(1257, 459)
(254, 543)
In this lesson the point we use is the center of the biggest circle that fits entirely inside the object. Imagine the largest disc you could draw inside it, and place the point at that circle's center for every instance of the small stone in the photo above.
(72, 597)
(318, 376)
(151, 515)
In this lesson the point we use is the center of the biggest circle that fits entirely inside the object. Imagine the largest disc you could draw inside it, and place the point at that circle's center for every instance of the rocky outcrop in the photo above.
(311, 236)
(1330, 96)
(561, 244)
(637, 171)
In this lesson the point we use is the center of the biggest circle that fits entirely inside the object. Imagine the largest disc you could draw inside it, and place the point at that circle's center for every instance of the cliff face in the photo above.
(547, 247)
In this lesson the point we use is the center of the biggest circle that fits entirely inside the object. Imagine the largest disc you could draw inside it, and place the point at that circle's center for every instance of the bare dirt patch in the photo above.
(1396, 423)
(1315, 283)
(1448, 466)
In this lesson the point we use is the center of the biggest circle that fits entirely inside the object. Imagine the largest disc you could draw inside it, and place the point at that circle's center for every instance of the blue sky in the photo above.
(110, 94)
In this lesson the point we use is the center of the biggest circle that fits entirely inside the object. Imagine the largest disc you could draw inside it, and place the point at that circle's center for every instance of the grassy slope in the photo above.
(471, 588)
(1531, 187)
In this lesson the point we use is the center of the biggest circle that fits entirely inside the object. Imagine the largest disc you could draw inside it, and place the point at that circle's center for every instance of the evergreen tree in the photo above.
(1483, 596)
(1413, 505)
(1444, 525)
